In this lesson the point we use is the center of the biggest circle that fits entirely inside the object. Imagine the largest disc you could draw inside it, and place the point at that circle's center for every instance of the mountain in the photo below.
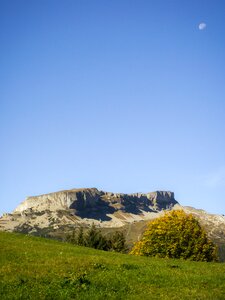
(57, 214)
(85, 206)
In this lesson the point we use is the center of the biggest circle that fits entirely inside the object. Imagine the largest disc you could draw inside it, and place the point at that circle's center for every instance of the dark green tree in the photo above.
(80, 237)
(72, 238)
(118, 242)
(95, 239)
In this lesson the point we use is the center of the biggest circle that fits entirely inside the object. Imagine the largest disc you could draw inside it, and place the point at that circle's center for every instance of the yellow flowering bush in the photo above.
(176, 235)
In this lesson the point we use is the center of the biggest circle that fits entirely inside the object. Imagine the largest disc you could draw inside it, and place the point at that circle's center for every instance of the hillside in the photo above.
(58, 214)
(38, 268)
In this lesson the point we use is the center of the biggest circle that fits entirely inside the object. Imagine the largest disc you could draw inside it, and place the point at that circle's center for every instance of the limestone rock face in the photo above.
(92, 198)
(61, 200)
(85, 206)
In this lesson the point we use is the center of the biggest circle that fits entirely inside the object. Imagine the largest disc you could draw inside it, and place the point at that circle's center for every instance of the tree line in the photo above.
(93, 238)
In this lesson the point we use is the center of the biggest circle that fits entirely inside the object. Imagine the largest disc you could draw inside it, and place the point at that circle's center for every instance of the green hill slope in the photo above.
(38, 268)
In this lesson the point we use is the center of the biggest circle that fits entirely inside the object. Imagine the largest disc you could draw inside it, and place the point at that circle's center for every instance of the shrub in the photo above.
(176, 235)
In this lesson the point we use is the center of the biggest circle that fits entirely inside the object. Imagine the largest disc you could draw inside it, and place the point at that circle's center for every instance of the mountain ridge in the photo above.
(90, 196)
(87, 205)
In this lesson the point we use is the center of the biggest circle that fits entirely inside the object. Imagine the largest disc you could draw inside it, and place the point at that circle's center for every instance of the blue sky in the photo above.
(125, 96)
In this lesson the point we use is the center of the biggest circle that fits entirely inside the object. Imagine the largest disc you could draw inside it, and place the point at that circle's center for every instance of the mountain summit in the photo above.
(87, 205)
(92, 200)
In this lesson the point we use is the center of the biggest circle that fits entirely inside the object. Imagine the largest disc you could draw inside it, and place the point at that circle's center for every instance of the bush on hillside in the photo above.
(176, 235)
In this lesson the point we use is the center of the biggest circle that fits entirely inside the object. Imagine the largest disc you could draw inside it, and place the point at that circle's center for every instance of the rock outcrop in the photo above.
(90, 198)
(85, 206)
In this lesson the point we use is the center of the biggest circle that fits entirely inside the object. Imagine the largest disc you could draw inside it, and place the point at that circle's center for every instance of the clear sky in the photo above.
(125, 96)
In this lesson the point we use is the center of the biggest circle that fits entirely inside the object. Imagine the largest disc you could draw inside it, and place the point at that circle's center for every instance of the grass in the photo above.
(38, 268)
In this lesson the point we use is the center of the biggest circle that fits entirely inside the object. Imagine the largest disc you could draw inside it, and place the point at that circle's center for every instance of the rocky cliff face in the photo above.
(90, 198)
(85, 206)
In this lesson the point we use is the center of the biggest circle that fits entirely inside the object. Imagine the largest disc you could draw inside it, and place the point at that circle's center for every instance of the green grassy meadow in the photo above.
(39, 268)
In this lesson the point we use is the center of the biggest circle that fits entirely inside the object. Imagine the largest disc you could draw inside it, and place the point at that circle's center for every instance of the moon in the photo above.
(202, 26)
